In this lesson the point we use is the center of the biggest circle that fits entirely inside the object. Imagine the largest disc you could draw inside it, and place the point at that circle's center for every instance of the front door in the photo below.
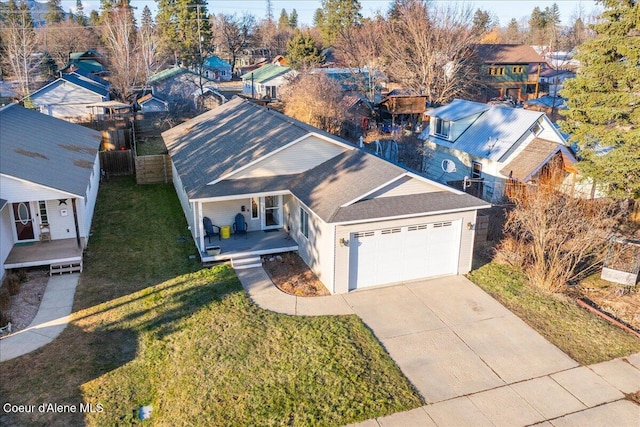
(271, 212)
(23, 220)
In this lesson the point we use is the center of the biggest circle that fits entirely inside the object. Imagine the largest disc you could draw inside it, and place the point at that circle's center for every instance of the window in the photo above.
(496, 71)
(536, 129)
(476, 170)
(42, 208)
(442, 128)
(304, 223)
(254, 208)
(517, 69)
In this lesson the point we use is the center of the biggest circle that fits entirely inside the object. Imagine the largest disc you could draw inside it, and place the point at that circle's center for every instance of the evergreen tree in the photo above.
(318, 18)
(604, 112)
(94, 18)
(54, 13)
(483, 22)
(302, 51)
(80, 17)
(339, 15)
(269, 11)
(512, 34)
(283, 21)
(293, 19)
(183, 27)
(538, 27)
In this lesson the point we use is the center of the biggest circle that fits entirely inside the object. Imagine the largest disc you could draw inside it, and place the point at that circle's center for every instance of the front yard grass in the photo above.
(582, 335)
(151, 328)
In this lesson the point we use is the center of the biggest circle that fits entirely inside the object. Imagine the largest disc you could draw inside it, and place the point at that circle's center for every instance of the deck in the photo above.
(253, 244)
(34, 254)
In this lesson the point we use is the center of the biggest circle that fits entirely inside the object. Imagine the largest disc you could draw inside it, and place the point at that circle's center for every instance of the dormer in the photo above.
(450, 121)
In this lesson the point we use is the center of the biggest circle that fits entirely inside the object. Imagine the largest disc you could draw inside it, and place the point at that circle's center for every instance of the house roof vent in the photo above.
(448, 166)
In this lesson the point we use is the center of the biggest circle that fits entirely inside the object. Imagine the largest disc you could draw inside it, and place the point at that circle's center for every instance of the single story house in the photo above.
(152, 104)
(488, 148)
(70, 96)
(177, 87)
(216, 68)
(355, 219)
(49, 178)
(266, 81)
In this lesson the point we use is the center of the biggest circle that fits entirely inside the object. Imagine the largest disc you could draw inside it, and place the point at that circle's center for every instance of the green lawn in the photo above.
(152, 328)
(151, 146)
(582, 335)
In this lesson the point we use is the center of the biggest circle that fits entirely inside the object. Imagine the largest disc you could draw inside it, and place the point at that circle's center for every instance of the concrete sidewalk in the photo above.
(258, 285)
(53, 316)
(474, 361)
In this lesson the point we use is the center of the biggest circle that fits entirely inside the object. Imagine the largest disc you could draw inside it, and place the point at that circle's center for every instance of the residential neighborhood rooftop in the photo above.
(507, 54)
(36, 155)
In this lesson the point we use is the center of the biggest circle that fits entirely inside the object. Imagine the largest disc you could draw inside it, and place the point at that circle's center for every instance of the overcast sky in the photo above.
(504, 10)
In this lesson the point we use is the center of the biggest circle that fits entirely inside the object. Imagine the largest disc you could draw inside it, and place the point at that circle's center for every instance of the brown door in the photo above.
(23, 221)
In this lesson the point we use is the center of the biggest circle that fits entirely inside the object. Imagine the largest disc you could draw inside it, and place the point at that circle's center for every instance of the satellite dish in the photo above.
(448, 166)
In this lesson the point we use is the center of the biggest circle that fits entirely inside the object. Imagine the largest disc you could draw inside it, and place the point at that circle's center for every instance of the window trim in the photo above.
(496, 71)
(43, 212)
(304, 223)
(476, 170)
(437, 130)
(254, 203)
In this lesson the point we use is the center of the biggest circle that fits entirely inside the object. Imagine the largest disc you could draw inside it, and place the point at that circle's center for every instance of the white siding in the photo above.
(300, 157)
(344, 232)
(65, 100)
(86, 207)
(184, 201)
(6, 235)
(404, 186)
(317, 251)
(62, 227)
(224, 213)
(14, 190)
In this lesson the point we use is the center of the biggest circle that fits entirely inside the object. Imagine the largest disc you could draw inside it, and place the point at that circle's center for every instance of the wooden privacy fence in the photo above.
(153, 169)
(117, 163)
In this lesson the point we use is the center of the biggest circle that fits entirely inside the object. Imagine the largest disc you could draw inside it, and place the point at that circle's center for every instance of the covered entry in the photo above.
(401, 254)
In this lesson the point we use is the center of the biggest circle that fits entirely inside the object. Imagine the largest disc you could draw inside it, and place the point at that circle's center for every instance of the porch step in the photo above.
(65, 267)
(246, 262)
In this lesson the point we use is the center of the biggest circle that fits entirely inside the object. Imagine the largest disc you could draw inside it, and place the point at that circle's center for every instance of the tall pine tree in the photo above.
(339, 15)
(604, 100)
(184, 31)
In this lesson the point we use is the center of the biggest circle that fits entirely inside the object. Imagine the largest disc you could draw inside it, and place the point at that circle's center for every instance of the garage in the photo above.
(402, 254)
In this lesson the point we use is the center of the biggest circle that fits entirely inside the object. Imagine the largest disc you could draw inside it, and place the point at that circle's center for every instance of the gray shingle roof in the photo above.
(414, 204)
(47, 151)
(533, 157)
(232, 135)
(507, 53)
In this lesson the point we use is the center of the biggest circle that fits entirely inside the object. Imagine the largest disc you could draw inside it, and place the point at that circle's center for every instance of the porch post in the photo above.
(75, 222)
(200, 226)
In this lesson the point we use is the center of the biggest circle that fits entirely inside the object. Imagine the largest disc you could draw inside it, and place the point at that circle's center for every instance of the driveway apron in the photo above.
(452, 339)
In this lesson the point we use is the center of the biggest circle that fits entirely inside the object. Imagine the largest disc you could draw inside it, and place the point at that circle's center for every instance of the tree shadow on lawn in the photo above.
(99, 340)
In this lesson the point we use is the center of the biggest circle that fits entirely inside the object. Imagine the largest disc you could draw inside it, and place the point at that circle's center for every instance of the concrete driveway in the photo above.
(452, 339)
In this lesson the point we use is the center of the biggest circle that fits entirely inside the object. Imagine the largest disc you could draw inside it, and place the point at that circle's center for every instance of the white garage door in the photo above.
(401, 254)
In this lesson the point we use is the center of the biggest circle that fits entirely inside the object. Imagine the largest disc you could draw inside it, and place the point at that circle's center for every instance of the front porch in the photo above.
(252, 244)
(34, 254)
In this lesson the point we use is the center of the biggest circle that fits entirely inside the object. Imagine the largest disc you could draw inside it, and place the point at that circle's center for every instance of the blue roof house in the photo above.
(216, 68)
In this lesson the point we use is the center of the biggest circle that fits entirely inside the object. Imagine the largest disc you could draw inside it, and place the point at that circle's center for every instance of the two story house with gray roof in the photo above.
(487, 148)
(357, 220)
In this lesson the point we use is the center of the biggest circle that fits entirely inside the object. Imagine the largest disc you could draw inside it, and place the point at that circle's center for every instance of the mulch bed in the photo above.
(291, 275)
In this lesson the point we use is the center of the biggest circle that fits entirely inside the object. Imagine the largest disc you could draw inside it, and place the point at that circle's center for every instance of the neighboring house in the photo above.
(216, 68)
(506, 70)
(552, 80)
(49, 178)
(355, 219)
(89, 61)
(70, 96)
(552, 106)
(177, 86)
(489, 148)
(266, 81)
(152, 104)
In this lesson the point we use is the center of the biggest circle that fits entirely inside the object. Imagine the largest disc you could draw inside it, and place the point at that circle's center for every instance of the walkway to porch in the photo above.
(252, 244)
(35, 254)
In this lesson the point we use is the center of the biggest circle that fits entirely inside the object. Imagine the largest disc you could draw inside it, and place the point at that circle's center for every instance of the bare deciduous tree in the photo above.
(427, 48)
(315, 100)
(559, 238)
(233, 34)
(119, 35)
(359, 48)
(20, 45)
(64, 37)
